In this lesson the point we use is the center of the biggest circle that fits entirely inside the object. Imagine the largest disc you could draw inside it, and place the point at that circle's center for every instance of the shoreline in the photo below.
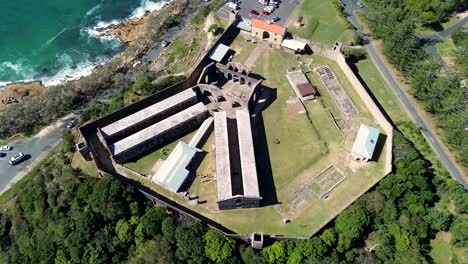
(124, 30)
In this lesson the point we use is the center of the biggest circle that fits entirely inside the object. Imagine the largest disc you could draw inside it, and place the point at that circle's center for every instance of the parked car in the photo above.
(263, 2)
(275, 19)
(70, 123)
(5, 148)
(360, 4)
(16, 158)
(164, 43)
(232, 5)
(265, 12)
(253, 12)
(269, 9)
(2, 154)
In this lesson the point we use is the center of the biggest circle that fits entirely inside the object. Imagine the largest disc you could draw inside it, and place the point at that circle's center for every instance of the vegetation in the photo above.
(460, 40)
(65, 216)
(439, 91)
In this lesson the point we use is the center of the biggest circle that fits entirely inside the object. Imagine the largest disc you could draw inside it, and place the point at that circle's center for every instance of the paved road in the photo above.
(351, 7)
(432, 40)
(35, 149)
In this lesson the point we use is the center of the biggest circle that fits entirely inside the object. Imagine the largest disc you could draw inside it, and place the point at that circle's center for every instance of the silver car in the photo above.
(5, 148)
(16, 158)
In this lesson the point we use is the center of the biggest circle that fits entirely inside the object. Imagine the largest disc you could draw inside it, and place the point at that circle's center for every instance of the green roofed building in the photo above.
(219, 52)
(364, 145)
(174, 170)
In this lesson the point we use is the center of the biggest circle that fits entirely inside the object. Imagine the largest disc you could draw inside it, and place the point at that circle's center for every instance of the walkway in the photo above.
(256, 53)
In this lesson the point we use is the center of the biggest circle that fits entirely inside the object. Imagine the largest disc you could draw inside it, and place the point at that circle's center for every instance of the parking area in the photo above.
(284, 10)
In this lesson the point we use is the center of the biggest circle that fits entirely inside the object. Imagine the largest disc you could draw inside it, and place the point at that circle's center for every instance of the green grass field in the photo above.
(381, 91)
(322, 23)
(242, 48)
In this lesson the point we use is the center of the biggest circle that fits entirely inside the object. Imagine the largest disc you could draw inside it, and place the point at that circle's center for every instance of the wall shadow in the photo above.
(262, 155)
(355, 70)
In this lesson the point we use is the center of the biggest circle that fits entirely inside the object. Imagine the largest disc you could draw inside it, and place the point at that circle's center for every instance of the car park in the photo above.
(16, 158)
(5, 148)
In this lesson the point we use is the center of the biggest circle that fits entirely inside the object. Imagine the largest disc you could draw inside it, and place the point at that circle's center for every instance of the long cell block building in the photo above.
(158, 133)
(236, 172)
(148, 116)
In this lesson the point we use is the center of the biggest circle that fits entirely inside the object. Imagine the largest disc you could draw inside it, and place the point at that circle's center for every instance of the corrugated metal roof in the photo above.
(173, 172)
(294, 44)
(366, 141)
(244, 26)
(219, 52)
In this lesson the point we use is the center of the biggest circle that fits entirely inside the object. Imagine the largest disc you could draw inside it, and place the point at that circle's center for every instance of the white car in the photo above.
(269, 9)
(5, 147)
(360, 4)
(16, 158)
(232, 5)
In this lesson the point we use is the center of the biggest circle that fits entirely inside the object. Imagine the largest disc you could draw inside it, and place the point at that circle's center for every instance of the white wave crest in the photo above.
(148, 6)
(16, 67)
(93, 10)
(69, 72)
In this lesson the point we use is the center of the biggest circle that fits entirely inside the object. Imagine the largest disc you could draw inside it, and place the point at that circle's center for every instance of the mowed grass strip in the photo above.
(322, 23)
(379, 88)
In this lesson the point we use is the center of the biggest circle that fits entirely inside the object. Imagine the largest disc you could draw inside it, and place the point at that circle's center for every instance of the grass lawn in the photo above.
(87, 167)
(446, 49)
(379, 88)
(322, 23)
(442, 252)
(145, 164)
(242, 48)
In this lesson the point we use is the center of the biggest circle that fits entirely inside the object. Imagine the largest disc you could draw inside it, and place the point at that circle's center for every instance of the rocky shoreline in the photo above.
(126, 31)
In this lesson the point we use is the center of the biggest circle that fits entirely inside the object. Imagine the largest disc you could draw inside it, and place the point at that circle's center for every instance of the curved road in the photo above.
(351, 7)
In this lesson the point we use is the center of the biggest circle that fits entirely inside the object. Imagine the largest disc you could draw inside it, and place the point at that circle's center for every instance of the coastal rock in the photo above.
(129, 30)
(17, 92)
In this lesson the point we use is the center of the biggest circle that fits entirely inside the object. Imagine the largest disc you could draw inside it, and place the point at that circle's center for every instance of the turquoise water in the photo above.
(52, 40)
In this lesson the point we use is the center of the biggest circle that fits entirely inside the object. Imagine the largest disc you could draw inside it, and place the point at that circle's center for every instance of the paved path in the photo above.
(351, 7)
(255, 54)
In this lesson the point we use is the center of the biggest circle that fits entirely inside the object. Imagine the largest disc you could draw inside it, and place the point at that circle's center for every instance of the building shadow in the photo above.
(262, 153)
(379, 147)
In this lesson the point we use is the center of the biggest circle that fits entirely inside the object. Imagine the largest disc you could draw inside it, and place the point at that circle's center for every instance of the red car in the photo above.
(265, 12)
(253, 12)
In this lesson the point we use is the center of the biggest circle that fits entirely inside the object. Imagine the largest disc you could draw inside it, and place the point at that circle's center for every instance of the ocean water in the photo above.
(56, 40)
